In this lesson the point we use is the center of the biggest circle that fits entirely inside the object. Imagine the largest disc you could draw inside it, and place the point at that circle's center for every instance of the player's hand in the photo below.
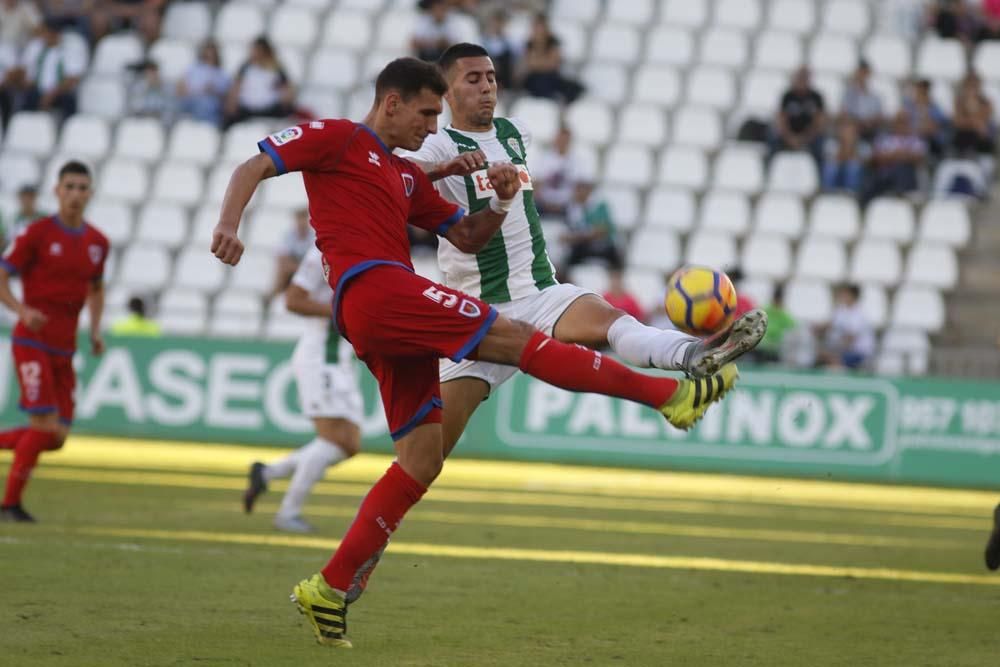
(226, 245)
(33, 319)
(96, 344)
(464, 164)
(505, 180)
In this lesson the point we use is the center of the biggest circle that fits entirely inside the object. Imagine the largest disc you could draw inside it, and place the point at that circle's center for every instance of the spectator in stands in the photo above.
(541, 65)
(49, 74)
(849, 339)
(435, 30)
(989, 20)
(136, 323)
(149, 96)
(929, 122)
(591, 231)
(144, 16)
(294, 247)
(68, 14)
(501, 48)
(779, 323)
(973, 129)
(845, 157)
(261, 87)
(951, 19)
(801, 119)
(619, 296)
(27, 212)
(861, 103)
(553, 181)
(897, 156)
(203, 88)
(18, 21)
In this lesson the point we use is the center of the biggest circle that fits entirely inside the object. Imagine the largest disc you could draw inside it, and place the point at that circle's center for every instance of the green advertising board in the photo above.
(807, 424)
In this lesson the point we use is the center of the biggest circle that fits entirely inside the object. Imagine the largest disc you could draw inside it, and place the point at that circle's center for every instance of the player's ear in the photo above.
(392, 102)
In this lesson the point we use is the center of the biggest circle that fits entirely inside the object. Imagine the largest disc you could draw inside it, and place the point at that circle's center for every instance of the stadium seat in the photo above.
(164, 224)
(17, 169)
(831, 87)
(590, 121)
(887, 88)
(347, 30)
(624, 204)
(178, 183)
(286, 192)
(236, 315)
(889, 218)
(574, 41)
(182, 301)
(648, 288)
(711, 249)
(643, 124)
(190, 21)
(792, 15)
(195, 142)
(846, 17)
(394, 26)
(683, 167)
(115, 52)
(875, 305)
(684, 13)
(739, 168)
(292, 25)
(759, 290)
(182, 324)
(793, 173)
(725, 212)
(986, 60)
(102, 96)
(323, 103)
(334, 68)
(932, 265)
(268, 227)
(85, 137)
(809, 301)
(174, 56)
(654, 249)
(233, 56)
(670, 208)
(822, 259)
(945, 221)
(218, 181)
(779, 214)
(940, 59)
(835, 216)
(293, 61)
(833, 54)
(767, 256)
(282, 325)
(583, 11)
(145, 267)
(669, 45)
(740, 14)
(724, 47)
(697, 126)
(615, 43)
(605, 81)
(657, 85)
(198, 270)
(123, 179)
(632, 12)
(370, 6)
(31, 132)
(888, 55)
(589, 276)
(113, 218)
(140, 139)
(905, 340)
(628, 165)
(762, 91)
(876, 261)
(541, 115)
(918, 308)
(241, 139)
(711, 86)
(239, 23)
(255, 272)
(781, 51)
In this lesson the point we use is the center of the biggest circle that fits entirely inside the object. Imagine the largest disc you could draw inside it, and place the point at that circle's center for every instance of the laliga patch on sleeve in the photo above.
(286, 135)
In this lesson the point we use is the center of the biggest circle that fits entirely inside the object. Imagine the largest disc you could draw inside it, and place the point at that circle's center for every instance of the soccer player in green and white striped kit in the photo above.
(513, 271)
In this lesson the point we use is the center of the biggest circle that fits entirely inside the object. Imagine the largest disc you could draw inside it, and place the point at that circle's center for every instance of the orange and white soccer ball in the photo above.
(700, 300)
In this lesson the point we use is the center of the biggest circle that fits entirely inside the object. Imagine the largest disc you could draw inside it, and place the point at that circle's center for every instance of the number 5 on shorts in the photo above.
(467, 308)
(31, 376)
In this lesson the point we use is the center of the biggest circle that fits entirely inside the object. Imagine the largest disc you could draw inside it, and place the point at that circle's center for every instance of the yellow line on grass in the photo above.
(568, 556)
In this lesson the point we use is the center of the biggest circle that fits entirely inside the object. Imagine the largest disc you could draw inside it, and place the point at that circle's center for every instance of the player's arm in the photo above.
(19, 256)
(95, 305)
(461, 165)
(298, 301)
(226, 245)
(473, 232)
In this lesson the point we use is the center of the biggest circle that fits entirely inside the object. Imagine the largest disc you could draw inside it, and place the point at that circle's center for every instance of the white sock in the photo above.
(284, 467)
(317, 456)
(646, 346)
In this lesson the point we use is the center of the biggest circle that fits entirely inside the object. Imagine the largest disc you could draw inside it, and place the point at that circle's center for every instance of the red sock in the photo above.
(8, 439)
(578, 368)
(380, 513)
(32, 443)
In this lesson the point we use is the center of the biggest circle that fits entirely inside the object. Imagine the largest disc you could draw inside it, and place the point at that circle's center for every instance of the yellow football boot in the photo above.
(693, 396)
(325, 608)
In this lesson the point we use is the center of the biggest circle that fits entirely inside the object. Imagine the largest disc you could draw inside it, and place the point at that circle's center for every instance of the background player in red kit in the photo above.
(61, 263)
(361, 197)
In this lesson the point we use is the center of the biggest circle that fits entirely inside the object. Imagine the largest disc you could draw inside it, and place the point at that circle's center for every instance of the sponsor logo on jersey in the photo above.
(515, 146)
(317, 125)
(408, 184)
(373, 157)
(286, 135)
(55, 249)
(95, 252)
(484, 189)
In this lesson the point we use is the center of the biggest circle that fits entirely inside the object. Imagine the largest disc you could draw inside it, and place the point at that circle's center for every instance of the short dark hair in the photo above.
(74, 167)
(137, 305)
(461, 50)
(851, 288)
(409, 76)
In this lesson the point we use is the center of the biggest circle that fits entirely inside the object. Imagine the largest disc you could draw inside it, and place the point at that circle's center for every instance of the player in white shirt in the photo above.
(327, 379)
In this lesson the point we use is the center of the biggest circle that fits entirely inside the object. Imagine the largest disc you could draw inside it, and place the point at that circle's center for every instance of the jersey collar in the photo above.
(380, 142)
(76, 231)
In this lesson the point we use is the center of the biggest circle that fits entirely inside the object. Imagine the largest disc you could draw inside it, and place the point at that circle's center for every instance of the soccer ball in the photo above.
(701, 300)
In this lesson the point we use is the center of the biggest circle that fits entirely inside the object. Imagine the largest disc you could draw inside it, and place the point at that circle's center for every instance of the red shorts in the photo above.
(47, 380)
(401, 324)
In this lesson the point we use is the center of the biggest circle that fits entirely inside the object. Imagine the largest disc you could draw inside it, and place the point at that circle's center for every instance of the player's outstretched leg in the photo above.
(709, 355)
(29, 448)
(256, 485)
(318, 455)
(993, 545)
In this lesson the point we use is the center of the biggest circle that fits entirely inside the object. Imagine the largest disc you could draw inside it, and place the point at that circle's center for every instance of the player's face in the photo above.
(73, 192)
(472, 91)
(417, 118)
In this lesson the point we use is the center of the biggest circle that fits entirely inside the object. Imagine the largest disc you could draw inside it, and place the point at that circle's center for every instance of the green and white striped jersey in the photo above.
(514, 264)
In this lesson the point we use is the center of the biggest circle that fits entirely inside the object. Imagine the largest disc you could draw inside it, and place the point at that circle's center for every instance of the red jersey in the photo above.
(56, 263)
(361, 196)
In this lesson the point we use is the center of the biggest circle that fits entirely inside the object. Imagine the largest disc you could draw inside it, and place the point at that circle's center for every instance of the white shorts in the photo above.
(540, 310)
(329, 390)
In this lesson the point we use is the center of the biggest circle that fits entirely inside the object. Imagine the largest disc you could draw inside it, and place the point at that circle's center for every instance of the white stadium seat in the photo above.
(643, 124)
(633, 12)
(767, 256)
(647, 286)
(888, 55)
(605, 81)
(657, 85)
(113, 218)
(293, 26)
(628, 165)
(724, 47)
(905, 340)
(281, 324)
(140, 139)
(875, 305)
(541, 115)
(182, 301)
(654, 249)
(195, 142)
(174, 56)
(624, 204)
(822, 259)
(198, 270)
(369, 6)
(293, 61)
(31, 132)
(393, 27)
(792, 15)
(85, 137)
(739, 168)
(760, 290)
(847, 17)
(589, 276)
(123, 179)
(334, 68)
(102, 96)
(835, 216)
(322, 103)
(182, 324)
(669, 45)
(17, 169)
(239, 23)
(287, 191)
(144, 267)
(940, 59)
(876, 261)
(762, 91)
(179, 183)
(590, 121)
(932, 265)
(986, 60)
(793, 173)
(809, 301)
(191, 21)
(697, 126)
(234, 317)
(241, 139)
(347, 30)
(833, 54)
(945, 221)
(781, 51)
(670, 208)
(779, 214)
(615, 43)
(684, 12)
(115, 52)
(164, 224)
(573, 39)
(887, 89)
(888, 218)
(711, 86)
(683, 167)
(740, 14)
(585, 11)
(218, 181)
(723, 211)
(918, 308)
(255, 272)
(711, 249)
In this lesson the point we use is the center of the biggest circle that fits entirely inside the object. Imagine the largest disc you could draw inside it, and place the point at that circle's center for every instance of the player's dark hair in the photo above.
(74, 167)
(409, 76)
(457, 51)
(137, 305)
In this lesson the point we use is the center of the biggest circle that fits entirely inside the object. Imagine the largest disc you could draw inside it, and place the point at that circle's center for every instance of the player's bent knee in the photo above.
(343, 433)
(505, 341)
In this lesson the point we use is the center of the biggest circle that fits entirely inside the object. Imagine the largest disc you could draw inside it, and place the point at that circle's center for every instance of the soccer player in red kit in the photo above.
(361, 197)
(61, 263)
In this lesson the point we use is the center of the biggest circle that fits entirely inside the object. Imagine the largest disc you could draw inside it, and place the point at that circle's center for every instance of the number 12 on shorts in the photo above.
(465, 307)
